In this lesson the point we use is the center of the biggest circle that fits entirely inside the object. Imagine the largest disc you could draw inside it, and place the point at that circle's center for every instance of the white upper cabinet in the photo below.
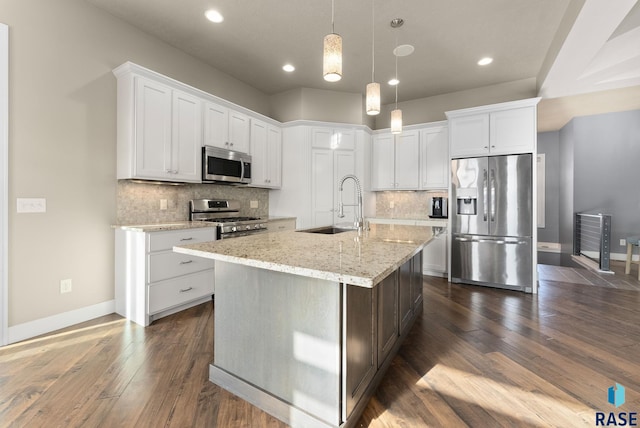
(266, 155)
(395, 161)
(434, 158)
(497, 129)
(333, 138)
(226, 128)
(159, 131)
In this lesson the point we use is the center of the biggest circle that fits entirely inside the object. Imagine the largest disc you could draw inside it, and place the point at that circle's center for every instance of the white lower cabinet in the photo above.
(435, 255)
(152, 281)
(281, 224)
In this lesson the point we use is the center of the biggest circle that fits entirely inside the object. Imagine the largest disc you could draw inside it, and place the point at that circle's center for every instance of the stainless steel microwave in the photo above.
(225, 166)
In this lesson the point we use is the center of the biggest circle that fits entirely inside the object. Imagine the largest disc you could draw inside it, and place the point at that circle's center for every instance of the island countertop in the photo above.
(344, 257)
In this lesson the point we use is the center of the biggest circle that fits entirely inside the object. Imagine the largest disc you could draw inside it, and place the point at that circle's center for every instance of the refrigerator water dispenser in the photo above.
(467, 201)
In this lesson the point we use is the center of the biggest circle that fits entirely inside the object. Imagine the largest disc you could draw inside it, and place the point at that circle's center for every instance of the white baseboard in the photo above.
(40, 326)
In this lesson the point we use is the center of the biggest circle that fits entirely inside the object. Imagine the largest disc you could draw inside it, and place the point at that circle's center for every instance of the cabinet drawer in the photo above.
(167, 294)
(280, 225)
(160, 241)
(168, 264)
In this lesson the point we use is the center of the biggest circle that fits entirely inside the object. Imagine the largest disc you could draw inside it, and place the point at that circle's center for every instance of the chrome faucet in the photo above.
(359, 221)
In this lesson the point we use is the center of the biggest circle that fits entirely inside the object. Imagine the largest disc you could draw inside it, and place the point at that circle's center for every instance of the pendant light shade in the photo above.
(332, 58)
(396, 121)
(373, 88)
(373, 98)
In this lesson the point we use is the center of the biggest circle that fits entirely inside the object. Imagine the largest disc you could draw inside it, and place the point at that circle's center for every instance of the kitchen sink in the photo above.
(326, 230)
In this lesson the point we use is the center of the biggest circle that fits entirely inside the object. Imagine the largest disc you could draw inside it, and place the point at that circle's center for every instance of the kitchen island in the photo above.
(306, 324)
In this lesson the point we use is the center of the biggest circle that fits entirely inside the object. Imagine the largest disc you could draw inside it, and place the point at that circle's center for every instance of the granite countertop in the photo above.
(343, 257)
(178, 225)
(157, 227)
(418, 221)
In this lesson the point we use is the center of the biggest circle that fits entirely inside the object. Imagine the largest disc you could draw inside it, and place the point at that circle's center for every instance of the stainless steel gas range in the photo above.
(226, 215)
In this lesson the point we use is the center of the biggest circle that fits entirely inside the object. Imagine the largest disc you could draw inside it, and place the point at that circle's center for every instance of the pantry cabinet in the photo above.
(159, 131)
(498, 129)
(226, 128)
(395, 161)
(152, 281)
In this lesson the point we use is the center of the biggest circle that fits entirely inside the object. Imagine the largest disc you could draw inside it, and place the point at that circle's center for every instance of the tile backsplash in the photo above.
(412, 205)
(139, 202)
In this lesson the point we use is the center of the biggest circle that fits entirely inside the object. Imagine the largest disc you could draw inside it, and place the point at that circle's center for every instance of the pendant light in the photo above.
(332, 54)
(396, 115)
(373, 88)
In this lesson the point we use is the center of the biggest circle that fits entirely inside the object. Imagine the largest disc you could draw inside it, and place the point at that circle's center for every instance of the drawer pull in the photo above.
(184, 290)
(186, 239)
(186, 262)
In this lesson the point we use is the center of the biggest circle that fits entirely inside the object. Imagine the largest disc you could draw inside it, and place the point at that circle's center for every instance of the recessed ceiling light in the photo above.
(394, 82)
(485, 61)
(403, 50)
(214, 16)
(288, 68)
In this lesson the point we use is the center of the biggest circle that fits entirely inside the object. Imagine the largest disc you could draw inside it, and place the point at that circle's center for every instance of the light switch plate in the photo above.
(163, 204)
(253, 204)
(31, 205)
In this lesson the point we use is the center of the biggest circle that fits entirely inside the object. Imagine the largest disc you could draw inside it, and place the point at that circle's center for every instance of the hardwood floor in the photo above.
(476, 357)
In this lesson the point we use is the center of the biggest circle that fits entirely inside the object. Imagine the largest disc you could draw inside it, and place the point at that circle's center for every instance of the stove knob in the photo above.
(257, 226)
(248, 227)
(233, 229)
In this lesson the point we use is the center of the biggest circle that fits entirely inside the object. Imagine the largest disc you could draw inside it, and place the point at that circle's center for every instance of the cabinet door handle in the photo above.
(186, 239)
(184, 290)
(186, 262)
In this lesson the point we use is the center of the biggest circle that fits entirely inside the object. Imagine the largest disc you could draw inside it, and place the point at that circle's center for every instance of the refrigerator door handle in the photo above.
(493, 195)
(485, 184)
(490, 241)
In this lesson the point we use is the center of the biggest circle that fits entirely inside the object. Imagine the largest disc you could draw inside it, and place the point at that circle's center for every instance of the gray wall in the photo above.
(598, 173)
(549, 144)
(606, 170)
(566, 188)
(62, 145)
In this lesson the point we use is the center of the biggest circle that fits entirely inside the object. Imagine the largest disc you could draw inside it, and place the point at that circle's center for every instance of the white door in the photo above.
(408, 161)
(274, 157)
(322, 207)
(239, 130)
(153, 130)
(434, 158)
(186, 145)
(383, 162)
(216, 125)
(469, 135)
(259, 175)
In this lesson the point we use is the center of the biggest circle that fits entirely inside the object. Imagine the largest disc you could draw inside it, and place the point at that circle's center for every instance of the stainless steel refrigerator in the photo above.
(492, 221)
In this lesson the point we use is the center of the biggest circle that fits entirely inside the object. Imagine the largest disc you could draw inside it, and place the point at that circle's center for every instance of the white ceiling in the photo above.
(601, 50)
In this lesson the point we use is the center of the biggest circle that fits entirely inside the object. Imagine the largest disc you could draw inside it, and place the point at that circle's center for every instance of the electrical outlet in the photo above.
(163, 204)
(253, 204)
(65, 286)
(31, 205)
(392, 204)
(623, 242)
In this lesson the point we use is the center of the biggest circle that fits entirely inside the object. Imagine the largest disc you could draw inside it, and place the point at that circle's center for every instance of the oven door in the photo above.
(225, 166)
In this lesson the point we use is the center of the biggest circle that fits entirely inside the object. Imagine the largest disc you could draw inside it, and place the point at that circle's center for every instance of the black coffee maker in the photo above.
(438, 207)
